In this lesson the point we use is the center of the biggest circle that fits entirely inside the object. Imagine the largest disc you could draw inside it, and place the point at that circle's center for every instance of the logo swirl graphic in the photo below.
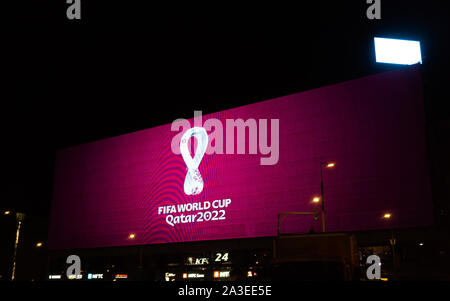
(193, 184)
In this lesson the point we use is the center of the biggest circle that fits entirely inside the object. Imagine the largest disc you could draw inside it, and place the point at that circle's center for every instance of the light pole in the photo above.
(19, 217)
(392, 241)
(327, 165)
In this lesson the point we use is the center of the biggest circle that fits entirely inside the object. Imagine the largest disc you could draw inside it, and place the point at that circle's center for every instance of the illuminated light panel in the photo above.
(330, 165)
(387, 215)
(168, 276)
(132, 236)
(316, 200)
(39, 244)
(395, 51)
(7, 212)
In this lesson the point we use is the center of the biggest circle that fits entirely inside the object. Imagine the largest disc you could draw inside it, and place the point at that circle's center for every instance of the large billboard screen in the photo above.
(229, 174)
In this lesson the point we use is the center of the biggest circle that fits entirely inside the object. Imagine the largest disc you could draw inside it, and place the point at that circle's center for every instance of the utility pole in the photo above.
(322, 199)
(19, 217)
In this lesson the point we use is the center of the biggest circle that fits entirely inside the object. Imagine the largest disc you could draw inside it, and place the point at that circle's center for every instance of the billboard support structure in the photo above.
(281, 215)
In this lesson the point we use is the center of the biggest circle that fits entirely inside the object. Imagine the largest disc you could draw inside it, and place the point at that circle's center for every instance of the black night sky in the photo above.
(127, 67)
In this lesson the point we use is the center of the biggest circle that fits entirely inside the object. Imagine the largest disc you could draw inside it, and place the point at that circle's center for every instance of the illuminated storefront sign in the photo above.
(222, 257)
(121, 276)
(195, 275)
(94, 276)
(221, 274)
(54, 276)
(218, 257)
(197, 261)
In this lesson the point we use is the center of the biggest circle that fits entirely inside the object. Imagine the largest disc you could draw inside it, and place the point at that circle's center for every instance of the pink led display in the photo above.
(161, 187)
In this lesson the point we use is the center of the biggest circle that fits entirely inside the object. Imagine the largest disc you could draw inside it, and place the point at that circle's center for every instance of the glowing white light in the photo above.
(395, 51)
(193, 183)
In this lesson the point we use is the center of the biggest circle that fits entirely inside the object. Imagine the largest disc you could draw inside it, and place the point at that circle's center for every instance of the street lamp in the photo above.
(322, 165)
(387, 215)
(392, 241)
(19, 217)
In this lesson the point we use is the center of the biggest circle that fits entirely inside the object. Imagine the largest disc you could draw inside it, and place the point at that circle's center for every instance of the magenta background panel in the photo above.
(373, 128)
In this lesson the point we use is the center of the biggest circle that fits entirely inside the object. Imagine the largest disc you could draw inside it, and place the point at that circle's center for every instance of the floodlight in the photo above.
(395, 51)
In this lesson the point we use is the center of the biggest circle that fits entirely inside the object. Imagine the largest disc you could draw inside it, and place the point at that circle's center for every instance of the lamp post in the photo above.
(19, 217)
(392, 241)
(327, 165)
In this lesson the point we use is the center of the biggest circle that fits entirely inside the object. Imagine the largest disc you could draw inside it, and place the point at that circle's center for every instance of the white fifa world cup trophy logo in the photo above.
(193, 184)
